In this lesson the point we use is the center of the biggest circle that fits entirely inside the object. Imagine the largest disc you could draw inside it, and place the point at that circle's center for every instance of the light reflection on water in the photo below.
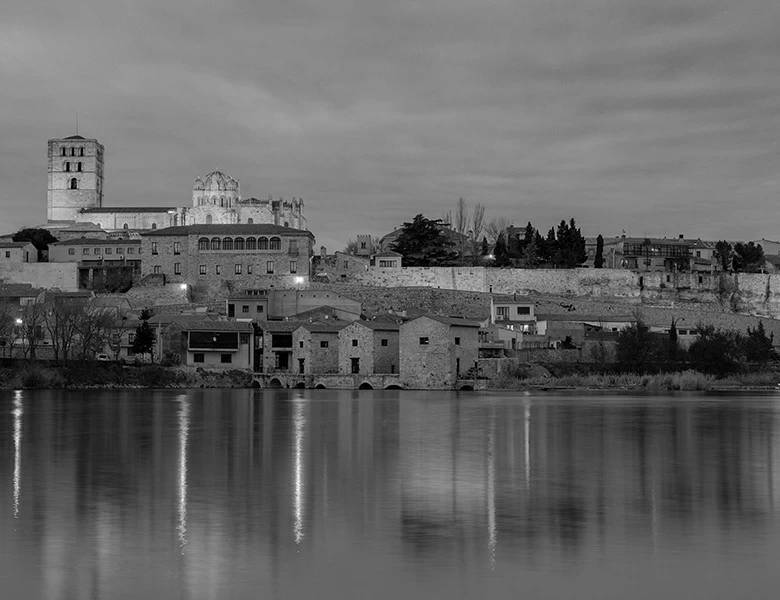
(219, 493)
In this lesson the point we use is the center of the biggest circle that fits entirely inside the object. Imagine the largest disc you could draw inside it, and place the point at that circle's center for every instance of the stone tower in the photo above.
(363, 245)
(216, 189)
(75, 177)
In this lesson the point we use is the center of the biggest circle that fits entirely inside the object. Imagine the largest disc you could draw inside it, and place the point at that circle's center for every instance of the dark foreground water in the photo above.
(397, 495)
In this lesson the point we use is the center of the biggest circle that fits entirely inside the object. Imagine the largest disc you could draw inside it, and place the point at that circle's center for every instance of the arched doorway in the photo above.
(275, 383)
(366, 386)
(209, 220)
(319, 386)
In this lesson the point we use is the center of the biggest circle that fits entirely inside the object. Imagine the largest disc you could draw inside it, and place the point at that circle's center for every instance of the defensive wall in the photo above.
(42, 274)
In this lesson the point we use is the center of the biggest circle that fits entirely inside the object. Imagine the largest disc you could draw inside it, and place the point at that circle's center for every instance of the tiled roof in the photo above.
(131, 209)
(452, 321)
(96, 242)
(380, 325)
(206, 325)
(228, 229)
(587, 318)
(324, 327)
(18, 290)
(4, 244)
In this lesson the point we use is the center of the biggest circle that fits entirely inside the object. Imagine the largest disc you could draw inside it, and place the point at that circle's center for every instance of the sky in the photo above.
(653, 117)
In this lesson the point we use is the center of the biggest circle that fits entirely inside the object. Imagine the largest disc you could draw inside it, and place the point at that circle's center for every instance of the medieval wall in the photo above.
(42, 275)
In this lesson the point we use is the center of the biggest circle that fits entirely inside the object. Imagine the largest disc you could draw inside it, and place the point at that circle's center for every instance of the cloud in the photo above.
(624, 114)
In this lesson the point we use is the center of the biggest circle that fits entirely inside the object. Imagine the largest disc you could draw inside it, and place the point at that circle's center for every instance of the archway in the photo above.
(393, 387)
(366, 386)
(256, 383)
(467, 388)
(300, 385)
(319, 386)
(275, 383)
(209, 219)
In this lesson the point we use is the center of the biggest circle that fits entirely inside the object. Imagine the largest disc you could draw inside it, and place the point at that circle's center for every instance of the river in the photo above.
(219, 494)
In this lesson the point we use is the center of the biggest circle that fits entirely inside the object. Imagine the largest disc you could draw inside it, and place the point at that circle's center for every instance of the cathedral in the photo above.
(75, 196)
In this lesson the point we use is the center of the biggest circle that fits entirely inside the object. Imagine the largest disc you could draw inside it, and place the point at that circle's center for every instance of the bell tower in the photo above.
(75, 177)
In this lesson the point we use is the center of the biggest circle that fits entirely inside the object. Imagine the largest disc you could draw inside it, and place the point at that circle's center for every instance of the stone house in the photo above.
(248, 304)
(435, 351)
(287, 303)
(18, 252)
(387, 260)
(369, 347)
(316, 348)
(275, 346)
(100, 261)
(219, 344)
(206, 257)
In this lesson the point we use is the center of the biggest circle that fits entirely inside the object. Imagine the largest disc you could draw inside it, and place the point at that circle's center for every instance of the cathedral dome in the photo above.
(216, 181)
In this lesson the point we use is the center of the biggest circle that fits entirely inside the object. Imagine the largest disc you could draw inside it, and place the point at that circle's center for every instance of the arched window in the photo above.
(250, 221)
(203, 244)
(262, 243)
(276, 244)
(81, 152)
(227, 243)
(208, 220)
(74, 184)
(125, 226)
(286, 223)
(239, 243)
(222, 202)
(78, 167)
(73, 152)
(154, 225)
(215, 243)
(251, 244)
(67, 167)
(63, 151)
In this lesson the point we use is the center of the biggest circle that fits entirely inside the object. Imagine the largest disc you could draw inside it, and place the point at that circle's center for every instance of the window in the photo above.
(177, 268)
(245, 308)
(67, 167)
(355, 365)
(457, 341)
(120, 250)
(202, 269)
(259, 308)
(701, 279)
(243, 338)
(238, 269)
(251, 244)
(97, 251)
(362, 245)
(71, 251)
(323, 344)
(227, 243)
(154, 225)
(457, 366)
(523, 310)
(125, 226)
(225, 358)
(215, 243)
(238, 244)
(668, 278)
(698, 254)
(250, 221)
(293, 247)
(249, 269)
(132, 251)
(383, 342)
(109, 251)
(8, 254)
(177, 247)
(198, 357)
(85, 250)
(63, 151)
(130, 338)
(203, 243)
(81, 151)
(217, 269)
(275, 244)
(269, 266)
(157, 269)
(74, 184)
(300, 344)
(78, 167)
(293, 266)
(154, 248)
(262, 243)
(73, 152)
(354, 342)
(502, 312)
(423, 341)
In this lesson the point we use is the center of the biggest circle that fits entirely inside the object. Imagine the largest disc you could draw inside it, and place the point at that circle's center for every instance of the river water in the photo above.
(220, 494)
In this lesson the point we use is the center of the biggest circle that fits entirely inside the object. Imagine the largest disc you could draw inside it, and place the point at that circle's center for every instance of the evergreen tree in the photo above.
(144, 335)
(485, 247)
(598, 262)
(551, 246)
(725, 255)
(423, 243)
(748, 258)
(759, 347)
(501, 253)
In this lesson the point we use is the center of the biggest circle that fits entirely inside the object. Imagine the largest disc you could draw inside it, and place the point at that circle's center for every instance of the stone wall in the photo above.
(363, 351)
(41, 275)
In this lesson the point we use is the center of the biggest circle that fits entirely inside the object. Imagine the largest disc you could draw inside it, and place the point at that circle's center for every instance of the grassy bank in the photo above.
(683, 381)
(109, 375)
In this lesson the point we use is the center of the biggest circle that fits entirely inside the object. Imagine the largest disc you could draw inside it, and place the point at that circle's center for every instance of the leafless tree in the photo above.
(31, 332)
(446, 217)
(7, 323)
(477, 224)
(496, 227)
(95, 327)
(461, 223)
(61, 320)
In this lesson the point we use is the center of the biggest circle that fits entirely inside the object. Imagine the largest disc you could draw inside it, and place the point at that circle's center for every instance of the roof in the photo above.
(228, 229)
(96, 242)
(206, 325)
(379, 325)
(13, 244)
(587, 318)
(388, 253)
(216, 181)
(279, 326)
(131, 209)
(451, 321)
(317, 327)
(659, 241)
(74, 137)
(18, 290)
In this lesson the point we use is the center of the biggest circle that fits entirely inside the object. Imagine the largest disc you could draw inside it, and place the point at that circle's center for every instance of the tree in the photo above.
(724, 254)
(40, 238)
(61, 320)
(423, 243)
(31, 330)
(717, 351)
(748, 258)
(485, 247)
(598, 262)
(144, 336)
(551, 247)
(758, 346)
(7, 324)
(477, 224)
(570, 250)
(496, 227)
(95, 328)
(500, 253)
(637, 349)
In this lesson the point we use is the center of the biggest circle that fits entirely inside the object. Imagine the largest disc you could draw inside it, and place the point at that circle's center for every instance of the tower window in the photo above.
(73, 152)
(74, 184)
(63, 151)
(154, 225)
(67, 166)
(81, 152)
(78, 167)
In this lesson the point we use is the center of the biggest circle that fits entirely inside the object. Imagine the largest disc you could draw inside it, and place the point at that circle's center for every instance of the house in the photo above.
(316, 348)
(102, 263)
(290, 302)
(558, 327)
(275, 346)
(517, 312)
(248, 304)
(219, 344)
(496, 339)
(435, 351)
(369, 347)
(17, 252)
(387, 260)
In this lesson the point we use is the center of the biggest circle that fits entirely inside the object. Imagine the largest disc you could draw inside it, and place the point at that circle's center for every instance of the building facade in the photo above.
(75, 177)
(369, 347)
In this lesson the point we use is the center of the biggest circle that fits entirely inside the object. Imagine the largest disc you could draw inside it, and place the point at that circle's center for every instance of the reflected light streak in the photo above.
(299, 422)
(527, 444)
(17, 412)
(184, 432)
(491, 491)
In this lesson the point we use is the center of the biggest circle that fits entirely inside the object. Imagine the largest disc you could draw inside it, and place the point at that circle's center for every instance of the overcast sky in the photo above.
(657, 117)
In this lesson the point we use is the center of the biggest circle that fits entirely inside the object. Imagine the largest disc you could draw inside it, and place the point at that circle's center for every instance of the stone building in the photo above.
(248, 304)
(316, 348)
(111, 263)
(368, 347)
(219, 344)
(75, 194)
(17, 252)
(436, 351)
(208, 257)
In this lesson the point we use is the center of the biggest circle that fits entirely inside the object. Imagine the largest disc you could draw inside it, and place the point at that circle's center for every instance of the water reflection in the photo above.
(384, 495)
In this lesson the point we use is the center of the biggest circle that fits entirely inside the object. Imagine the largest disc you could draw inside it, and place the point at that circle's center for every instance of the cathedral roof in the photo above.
(74, 137)
(228, 229)
(131, 209)
(216, 181)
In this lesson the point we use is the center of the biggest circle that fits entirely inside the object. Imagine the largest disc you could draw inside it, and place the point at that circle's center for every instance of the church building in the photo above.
(75, 196)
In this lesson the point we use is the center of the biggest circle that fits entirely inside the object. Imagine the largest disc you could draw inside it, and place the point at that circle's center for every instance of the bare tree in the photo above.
(7, 322)
(496, 227)
(477, 223)
(95, 327)
(461, 216)
(446, 217)
(31, 331)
